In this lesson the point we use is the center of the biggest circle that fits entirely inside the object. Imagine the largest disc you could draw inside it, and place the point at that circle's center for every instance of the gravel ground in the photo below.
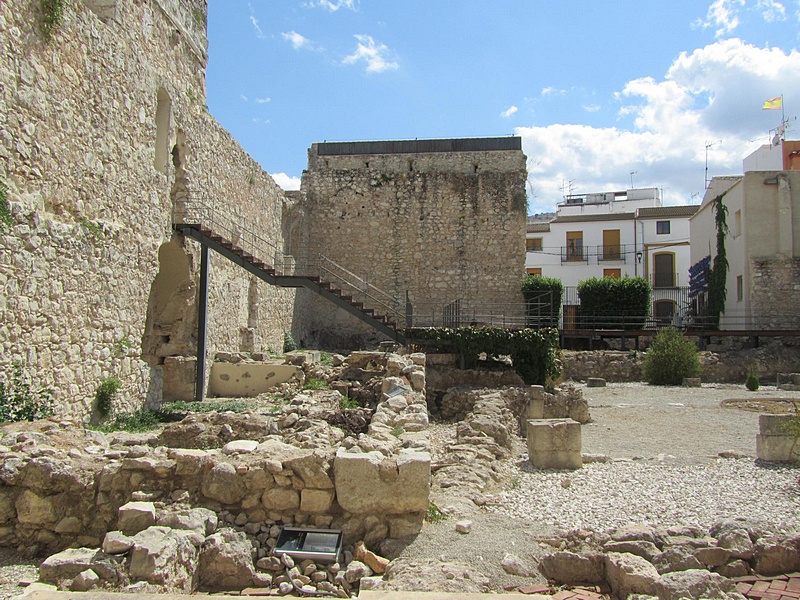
(664, 444)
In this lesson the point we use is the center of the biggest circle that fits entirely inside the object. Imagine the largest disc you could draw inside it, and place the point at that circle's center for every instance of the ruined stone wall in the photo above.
(102, 129)
(441, 226)
(775, 292)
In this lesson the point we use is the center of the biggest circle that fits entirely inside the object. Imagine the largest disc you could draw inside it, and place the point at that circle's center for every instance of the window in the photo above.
(739, 288)
(534, 271)
(616, 273)
(163, 116)
(737, 223)
(664, 271)
(574, 245)
(611, 247)
(662, 227)
(533, 244)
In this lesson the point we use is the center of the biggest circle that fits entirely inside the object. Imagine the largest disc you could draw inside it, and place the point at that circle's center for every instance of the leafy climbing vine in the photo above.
(6, 219)
(532, 351)
(52, 16)
(718, 275)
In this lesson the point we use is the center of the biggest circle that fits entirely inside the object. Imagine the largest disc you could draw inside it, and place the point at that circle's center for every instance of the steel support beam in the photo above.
(202, 320)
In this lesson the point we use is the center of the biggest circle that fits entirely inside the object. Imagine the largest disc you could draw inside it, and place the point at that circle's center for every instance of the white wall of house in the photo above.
(629, 236)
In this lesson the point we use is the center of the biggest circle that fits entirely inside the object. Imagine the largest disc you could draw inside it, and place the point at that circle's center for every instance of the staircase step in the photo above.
(313, 278)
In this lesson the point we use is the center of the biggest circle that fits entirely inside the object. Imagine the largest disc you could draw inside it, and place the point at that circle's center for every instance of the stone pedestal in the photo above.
(535, 408)
(774, 443)
(554, 443)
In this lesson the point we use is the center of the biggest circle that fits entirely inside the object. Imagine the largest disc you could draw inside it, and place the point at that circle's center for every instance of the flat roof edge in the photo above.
(420, 146)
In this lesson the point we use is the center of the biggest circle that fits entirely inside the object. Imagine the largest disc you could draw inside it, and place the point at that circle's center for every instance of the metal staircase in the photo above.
(230, 237)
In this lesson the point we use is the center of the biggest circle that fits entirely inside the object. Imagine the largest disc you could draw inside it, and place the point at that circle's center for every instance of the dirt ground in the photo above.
(679, 425)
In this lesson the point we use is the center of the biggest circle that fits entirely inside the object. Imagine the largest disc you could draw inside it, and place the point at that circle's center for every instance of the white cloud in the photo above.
(713, 93)
(723, 14)
(509, 111)
(373, 53)
(287, 182)
(243, 98)
(591, 107)
(259, 34)
(772, 10)
(297, 40)
(549, 90)
(334, 5)
(263, 100)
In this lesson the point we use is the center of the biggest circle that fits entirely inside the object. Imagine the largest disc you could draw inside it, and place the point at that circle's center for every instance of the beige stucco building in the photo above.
(763, 242)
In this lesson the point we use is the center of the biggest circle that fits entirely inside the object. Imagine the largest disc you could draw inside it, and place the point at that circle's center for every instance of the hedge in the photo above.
(542, 300)
(614, 303)
(532, 351)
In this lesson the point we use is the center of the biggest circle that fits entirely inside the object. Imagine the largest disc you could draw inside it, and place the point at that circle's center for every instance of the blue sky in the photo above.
(597, 89)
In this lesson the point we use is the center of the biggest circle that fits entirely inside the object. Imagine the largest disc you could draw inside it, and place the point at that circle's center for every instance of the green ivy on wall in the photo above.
(532, 351)
(6, 219)
(52, 16)
(718, 275)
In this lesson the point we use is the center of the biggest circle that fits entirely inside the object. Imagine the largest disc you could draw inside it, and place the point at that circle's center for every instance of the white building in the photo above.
(763, 241)
(615, 234)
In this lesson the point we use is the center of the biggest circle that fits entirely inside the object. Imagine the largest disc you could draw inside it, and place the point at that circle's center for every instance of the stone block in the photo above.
(774, 443)
(315, 501)
(136, 516)
(250, 379)
(554, 443)
(595, 382)
(691, 382)
(179, 378)
(777, 448)
(370, 482)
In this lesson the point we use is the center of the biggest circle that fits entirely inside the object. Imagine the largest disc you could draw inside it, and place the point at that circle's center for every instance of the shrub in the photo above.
(105, 396)
(615, 303)
(752, 383)
(671, 357)
(532, 351)
(142, 420)
(289, 345)
(542, 300)
(20, 402)
(316, 384)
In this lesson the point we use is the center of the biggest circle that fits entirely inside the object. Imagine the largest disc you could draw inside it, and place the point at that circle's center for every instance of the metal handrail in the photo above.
(200, 211)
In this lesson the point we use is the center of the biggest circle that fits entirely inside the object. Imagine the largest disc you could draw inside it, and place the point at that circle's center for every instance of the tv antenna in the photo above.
(709, 145)
(566, 187)
(632, 174)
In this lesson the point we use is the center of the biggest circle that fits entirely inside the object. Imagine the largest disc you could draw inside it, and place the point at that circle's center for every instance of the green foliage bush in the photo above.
(289, 345)
(6, 218)
(752, 382)
(316, 384)
(613, 303)
(141, 420)
(52, 16)
(542, 300)
(533, 351)
(670, 358)
(105, 396)
(20, 402)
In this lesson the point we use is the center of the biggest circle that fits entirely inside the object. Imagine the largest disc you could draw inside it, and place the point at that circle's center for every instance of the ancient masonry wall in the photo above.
(442, 226)
(775, 290)
(102, 129)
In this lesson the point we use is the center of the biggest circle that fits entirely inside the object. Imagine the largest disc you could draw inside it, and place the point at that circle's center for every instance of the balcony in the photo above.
(612, 252)
(574, 254)
(664, 280)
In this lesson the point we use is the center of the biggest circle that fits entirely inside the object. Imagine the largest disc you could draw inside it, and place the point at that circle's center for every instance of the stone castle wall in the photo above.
(775, 292)
(102, 129)
(439, 225)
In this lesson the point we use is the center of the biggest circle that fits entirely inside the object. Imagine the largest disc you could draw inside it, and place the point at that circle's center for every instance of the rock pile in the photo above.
(184, 550)
(672, 563)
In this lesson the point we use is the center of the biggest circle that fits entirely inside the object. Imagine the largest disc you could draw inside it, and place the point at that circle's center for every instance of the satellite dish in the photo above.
(776, 139)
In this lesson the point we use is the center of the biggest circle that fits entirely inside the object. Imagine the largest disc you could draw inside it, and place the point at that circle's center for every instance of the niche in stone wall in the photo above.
(163, 116)
(171, 324)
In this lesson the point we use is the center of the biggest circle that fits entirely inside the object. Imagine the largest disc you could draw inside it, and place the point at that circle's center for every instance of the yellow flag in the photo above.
(773, 103)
